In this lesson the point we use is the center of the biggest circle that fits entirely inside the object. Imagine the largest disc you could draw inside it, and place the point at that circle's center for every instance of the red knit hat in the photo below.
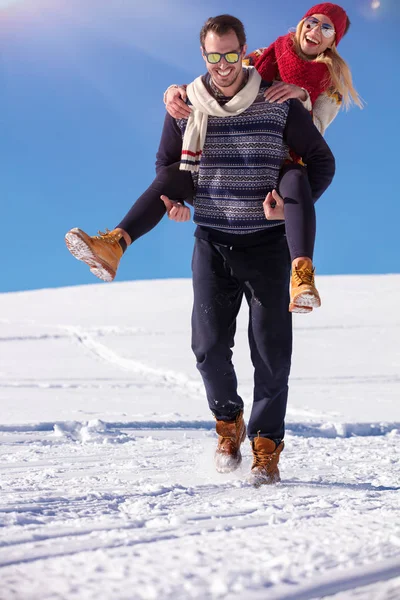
(336, 14)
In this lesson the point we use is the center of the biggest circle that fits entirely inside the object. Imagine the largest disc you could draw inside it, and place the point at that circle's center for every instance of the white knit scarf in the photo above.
(203, 104)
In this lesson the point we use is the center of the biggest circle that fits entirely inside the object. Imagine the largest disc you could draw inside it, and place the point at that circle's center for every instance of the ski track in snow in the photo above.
(133, 509)
(162, 377)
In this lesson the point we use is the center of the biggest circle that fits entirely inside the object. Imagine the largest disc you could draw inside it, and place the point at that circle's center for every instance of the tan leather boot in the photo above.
(231, 435)
(265, 461)
(303, 293)
(101, 253)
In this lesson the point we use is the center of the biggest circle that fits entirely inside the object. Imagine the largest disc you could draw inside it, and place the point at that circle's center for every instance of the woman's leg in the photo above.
(103, 252)
(300, 222)
(299, 211)
(148, 210)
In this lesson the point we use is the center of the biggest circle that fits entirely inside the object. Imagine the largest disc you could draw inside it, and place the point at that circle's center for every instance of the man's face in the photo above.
(224, 74)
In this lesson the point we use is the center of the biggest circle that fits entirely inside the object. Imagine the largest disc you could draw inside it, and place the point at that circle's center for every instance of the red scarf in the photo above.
(281, 60)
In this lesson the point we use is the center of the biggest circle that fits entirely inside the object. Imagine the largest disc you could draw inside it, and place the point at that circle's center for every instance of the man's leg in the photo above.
(271, 345)
(270, 339)
(217, 298)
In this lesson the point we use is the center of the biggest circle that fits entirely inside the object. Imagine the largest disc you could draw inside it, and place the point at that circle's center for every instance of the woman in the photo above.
(309, 68)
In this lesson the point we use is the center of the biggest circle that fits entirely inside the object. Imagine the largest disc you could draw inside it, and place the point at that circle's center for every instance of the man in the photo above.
(236, 157)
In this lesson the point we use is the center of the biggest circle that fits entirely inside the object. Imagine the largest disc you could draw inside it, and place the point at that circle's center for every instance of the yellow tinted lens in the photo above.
(232, 57)
(213, 57)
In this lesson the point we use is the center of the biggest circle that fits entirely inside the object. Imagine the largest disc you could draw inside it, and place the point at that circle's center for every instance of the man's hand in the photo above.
(273, 207)
(281, 91)
(174, 102)
(175, 210)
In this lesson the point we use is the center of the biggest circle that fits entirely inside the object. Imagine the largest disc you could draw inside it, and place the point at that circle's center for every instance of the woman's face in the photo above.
(312, 39)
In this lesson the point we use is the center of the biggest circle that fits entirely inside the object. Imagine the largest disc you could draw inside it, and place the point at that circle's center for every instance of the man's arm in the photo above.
(169, 155)
(170, 148)
(304, 139)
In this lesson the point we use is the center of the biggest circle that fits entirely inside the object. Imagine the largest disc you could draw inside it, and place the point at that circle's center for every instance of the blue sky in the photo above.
(81, 114)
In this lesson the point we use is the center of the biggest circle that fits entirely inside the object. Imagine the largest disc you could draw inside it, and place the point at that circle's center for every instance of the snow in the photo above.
(107, 483)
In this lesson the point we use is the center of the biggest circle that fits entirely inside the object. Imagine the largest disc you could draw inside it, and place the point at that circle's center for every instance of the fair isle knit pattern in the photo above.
(240, 164)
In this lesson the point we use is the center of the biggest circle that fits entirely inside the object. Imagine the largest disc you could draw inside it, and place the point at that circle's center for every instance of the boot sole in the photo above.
(80, 249)
(305, 302)
(259, 480)
(225, 463)
(293, 308)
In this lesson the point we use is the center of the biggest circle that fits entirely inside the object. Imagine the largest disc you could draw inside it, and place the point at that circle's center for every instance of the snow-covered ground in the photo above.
(107, 485)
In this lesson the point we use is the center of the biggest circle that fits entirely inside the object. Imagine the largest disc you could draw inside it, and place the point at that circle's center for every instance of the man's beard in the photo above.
(225, 83)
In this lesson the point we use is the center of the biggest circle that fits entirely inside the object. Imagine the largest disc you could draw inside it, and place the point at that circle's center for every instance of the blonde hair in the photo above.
(339, 77)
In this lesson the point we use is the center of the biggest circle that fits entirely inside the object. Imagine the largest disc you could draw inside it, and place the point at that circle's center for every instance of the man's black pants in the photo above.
(221, 275)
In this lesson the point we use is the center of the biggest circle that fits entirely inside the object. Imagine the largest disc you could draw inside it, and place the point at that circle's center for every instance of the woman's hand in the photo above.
(281, 91)
(273, 207)
(174, 102)
(175, 210)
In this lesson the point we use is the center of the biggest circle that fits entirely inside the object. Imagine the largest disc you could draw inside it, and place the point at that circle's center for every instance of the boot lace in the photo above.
(108, 237)
(303, 275)
(262, 458)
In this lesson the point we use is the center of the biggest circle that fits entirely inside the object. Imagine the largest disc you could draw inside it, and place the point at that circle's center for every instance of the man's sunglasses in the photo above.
(327, 30)
(214, 57)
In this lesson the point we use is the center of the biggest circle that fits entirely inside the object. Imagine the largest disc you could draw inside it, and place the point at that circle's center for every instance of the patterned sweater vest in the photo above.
(240, 164)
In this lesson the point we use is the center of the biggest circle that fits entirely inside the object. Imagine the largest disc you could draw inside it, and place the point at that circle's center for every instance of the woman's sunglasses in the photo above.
(214, 57)
(326, 29)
